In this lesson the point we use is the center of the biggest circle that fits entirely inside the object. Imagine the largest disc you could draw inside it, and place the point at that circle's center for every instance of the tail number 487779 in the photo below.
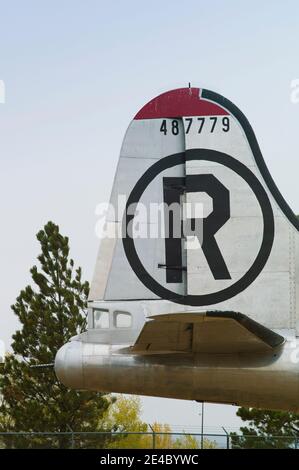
(201, 123)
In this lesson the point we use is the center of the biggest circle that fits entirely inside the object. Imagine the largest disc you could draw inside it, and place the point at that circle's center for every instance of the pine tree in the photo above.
(49, 313)
(267, 429)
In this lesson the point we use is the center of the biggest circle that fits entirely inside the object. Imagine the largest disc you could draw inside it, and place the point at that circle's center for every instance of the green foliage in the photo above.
(125, 416)
(267, 429)
(50, 313)
(166, 439)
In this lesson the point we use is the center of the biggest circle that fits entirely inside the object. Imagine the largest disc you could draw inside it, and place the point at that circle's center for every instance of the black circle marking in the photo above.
(268, 230)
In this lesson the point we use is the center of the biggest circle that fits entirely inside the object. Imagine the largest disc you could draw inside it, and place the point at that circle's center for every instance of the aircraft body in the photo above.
(196, 285)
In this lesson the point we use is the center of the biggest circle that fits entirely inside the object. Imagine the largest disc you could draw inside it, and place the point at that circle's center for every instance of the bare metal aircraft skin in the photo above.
(195, 293)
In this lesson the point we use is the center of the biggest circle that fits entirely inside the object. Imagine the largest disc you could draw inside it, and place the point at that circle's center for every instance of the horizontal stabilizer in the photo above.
(205, 332)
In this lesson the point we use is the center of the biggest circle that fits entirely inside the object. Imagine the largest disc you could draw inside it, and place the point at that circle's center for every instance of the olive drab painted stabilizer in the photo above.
(236, 251)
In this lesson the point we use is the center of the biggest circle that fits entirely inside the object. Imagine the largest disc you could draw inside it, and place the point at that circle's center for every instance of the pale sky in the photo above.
(77, 72)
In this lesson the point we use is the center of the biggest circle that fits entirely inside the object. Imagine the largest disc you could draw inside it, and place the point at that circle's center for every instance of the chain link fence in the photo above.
(142, 440)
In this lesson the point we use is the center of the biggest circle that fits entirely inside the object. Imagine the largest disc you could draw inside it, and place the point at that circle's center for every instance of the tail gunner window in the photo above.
(122, 319)
(100, 319)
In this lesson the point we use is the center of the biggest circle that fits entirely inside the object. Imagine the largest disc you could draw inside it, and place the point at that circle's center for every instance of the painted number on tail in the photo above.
(201, 123)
